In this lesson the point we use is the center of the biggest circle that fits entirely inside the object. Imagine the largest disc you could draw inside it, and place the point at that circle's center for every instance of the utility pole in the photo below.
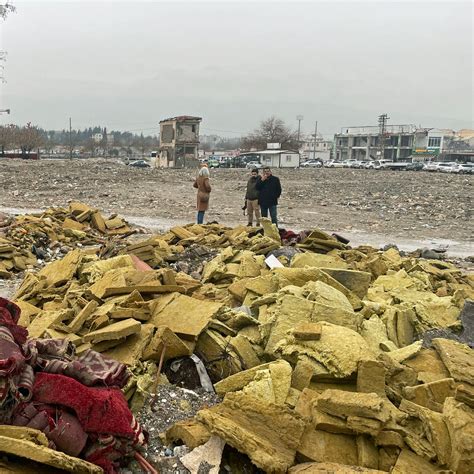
(299, 118)
(70, 138)
(382, 132)
(315, 135)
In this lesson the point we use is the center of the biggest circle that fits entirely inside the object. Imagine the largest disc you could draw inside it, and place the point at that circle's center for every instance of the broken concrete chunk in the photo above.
(428, 365)
(322, 446)
(363, 425)
(435, 429)
(356, 281)
(431, 395)
(465, 394)
(130, 352)
(279, 372)
(117, 330)
(400, 355)
(459, 419)
(409, 462)
(458, 358)
(243, 348)
(339, 350)
(344, 404)
(269, 434)
(305, 403)
(321, 421)
(186, 316)
(82, 316)
(302, 374)
(390, 438)
(23, 432)
(190, 432)
(371, 377)
(44, 321)
(61, 271)
(310, 259)
(292, 311)
(164, 337)
(28, 312)
(112, 278)
(270, 230)
(44, 455)
(368, 454)
(307, 331)
(330, 468)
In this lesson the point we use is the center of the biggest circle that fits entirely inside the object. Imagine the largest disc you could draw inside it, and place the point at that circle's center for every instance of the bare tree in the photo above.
(143, 144)
(7, 137)
(90, 146)
(28, 138)
(5, 9)
(271, 130)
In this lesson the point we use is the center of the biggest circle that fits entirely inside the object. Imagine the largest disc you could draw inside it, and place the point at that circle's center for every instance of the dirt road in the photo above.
(405, 205)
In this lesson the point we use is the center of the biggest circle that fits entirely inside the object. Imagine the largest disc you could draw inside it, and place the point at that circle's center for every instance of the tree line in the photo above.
(30, 137)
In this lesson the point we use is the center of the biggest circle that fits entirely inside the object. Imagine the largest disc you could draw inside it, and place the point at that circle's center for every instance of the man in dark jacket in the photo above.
(251, 198)
(269, 188)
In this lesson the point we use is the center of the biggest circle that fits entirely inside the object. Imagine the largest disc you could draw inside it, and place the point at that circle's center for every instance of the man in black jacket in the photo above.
(269, 188)
(251, 198)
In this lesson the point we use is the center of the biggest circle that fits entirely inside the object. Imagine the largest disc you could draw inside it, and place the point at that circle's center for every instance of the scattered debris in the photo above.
(315, 361)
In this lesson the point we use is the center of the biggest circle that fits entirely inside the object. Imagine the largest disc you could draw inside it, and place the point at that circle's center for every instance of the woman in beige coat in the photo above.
(204, 190)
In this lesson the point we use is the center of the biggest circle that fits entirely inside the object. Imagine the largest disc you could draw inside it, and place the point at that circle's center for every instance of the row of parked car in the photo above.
(443, 167)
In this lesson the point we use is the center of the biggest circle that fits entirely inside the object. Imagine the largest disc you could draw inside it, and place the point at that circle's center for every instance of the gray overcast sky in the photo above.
(126, 65)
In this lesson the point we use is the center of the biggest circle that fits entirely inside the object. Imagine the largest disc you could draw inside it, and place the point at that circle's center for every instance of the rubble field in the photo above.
(416, 205)
(214, 349)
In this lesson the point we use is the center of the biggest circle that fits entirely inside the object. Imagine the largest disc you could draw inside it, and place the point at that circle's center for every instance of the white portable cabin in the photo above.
(276, 158)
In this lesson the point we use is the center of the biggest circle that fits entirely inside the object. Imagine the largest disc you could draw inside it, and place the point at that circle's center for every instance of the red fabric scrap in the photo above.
(99, 410)
(9, 316)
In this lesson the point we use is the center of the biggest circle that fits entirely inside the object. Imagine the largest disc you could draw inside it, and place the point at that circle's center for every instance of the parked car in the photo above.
(334, 164)
(348, 163)
(376, 164)
(446, 167)
(312, 164)
(415, 166)
(140, 164)
(213, 164)
(466, 168)
(431, 166)
(357, 164)
(253, 164)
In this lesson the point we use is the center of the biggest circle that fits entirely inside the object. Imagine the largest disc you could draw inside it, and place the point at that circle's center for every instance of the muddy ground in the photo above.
(399, 204)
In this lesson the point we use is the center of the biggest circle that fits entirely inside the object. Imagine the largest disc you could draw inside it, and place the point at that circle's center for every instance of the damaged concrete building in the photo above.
(179, 141)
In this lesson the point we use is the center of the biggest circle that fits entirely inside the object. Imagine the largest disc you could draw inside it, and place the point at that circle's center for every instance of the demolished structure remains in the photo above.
(179, 141)
(337, 359)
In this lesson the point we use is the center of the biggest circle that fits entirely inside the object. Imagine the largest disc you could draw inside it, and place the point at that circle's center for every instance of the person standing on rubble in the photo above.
(251, 198)
(269, 189)
(204, 190)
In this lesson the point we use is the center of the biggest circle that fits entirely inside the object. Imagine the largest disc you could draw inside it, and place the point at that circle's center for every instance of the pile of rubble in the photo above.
(326, 357)
(48, 235)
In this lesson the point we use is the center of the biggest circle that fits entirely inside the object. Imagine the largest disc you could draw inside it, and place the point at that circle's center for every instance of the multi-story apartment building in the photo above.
(400, 143)
(365, 143)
